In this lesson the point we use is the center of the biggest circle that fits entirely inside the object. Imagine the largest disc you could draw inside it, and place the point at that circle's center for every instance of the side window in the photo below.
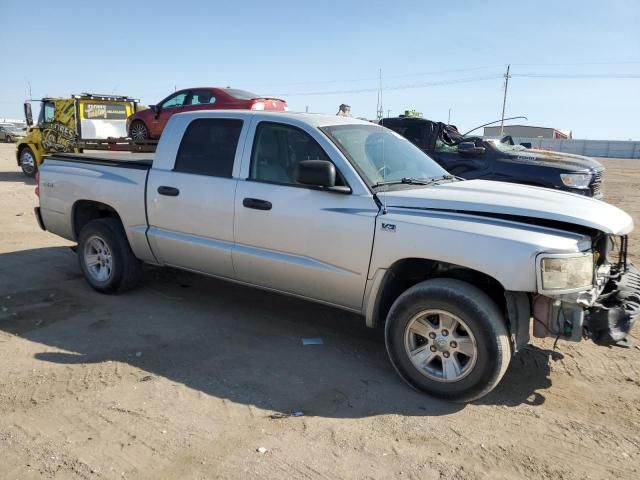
(48, 112)
(413, 133)
(202, 97)
(209, 147)
(175, 101)
(277, 150)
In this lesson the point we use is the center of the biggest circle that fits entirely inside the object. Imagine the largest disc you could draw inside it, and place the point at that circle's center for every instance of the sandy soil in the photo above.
(187, 377)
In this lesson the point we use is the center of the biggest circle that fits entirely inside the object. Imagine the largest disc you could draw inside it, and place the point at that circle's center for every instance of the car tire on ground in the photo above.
(28, 162)
(448, 339)
(138, 131)
(105, 257)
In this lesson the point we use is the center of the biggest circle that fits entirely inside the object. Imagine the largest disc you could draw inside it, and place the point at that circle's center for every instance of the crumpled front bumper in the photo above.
(610, 319)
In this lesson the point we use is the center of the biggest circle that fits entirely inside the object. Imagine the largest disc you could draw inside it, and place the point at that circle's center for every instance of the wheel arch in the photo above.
(84, 211)
(407, 272)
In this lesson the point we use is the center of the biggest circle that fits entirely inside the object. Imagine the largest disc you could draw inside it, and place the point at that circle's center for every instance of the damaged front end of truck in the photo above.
(605, 313)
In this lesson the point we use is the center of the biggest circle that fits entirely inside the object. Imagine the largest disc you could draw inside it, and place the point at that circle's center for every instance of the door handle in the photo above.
(256, 204)
(169, 191)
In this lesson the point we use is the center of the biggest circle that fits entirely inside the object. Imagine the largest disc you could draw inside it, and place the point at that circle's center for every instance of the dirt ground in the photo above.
(187, 377)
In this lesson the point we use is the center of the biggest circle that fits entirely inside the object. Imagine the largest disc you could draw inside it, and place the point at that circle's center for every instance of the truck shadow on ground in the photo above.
(224, 340)
(16, 177)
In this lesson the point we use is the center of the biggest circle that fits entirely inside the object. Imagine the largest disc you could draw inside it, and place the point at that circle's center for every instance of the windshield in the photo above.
(381, 155)
(505, 147)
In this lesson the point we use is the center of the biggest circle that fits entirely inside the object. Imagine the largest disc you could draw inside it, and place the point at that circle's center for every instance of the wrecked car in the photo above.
(500, 160)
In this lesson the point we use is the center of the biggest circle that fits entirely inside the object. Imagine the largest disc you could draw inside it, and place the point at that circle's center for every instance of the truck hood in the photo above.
(513, 200)
(564, 161)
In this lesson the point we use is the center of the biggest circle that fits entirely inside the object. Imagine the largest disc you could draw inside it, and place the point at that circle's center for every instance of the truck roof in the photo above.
(314, 119)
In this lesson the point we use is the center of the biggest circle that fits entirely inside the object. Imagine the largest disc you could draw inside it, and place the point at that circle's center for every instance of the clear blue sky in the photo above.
(293, 47)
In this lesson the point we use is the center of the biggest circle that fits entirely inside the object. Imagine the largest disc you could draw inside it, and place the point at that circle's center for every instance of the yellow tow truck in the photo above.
(71, 124)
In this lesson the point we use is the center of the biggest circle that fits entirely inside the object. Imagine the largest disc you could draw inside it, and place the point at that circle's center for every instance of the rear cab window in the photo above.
(208, 147)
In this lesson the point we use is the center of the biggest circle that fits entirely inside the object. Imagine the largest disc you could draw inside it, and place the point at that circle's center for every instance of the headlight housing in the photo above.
(565, 273)
(576, 180)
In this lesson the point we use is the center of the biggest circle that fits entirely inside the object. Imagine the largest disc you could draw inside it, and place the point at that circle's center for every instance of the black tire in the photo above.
(124, 268)
(481, 317)
(138, 131)
(28, 163)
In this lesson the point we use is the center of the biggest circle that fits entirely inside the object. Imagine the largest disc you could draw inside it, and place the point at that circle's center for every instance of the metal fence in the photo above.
(590, 148)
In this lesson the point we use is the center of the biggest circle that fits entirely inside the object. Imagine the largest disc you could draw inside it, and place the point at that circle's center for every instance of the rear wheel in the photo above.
(138, 131)
(448, 339)
(106, 258)
(28, 162)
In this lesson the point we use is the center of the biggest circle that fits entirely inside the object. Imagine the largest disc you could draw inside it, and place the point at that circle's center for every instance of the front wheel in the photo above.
(138, 131)
(28, 162)
(448, 339)
(106, 258)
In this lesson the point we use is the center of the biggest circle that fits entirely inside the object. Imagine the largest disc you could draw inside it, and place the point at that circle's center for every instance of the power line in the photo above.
(392, 87)
(452, 70)
(577, 75)
(371, 79)
(573, 64)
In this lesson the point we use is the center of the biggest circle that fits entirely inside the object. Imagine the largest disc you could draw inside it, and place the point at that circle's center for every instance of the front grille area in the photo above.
(596, 184)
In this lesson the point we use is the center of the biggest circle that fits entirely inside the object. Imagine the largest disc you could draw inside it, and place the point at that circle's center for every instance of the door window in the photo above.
(201, 97)
(277, 151)
(174, 101)
(48, 112)
(209, 147)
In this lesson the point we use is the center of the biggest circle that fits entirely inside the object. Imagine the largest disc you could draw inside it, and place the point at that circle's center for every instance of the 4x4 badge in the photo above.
(389, 227)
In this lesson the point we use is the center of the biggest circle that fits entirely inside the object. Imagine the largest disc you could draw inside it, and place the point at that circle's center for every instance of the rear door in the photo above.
(295, 238)
(190, 207)
(200, 100)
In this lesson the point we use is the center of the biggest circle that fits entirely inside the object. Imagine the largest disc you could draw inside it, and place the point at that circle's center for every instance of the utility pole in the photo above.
(504, 100)
(388, 113)
(29, 86)
(449, 118)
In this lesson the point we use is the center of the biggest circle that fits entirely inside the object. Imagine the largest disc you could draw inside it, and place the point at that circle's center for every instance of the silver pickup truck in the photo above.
(350, 214)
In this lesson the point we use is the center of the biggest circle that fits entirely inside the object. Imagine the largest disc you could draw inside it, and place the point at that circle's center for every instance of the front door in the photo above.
(298, 239)
(190, 208)
(168, 107)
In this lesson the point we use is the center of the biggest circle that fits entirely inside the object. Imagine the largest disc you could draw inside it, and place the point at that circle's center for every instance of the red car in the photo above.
(148, 124)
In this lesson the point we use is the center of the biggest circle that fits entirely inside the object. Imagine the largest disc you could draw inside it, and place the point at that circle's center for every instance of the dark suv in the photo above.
(474, 157)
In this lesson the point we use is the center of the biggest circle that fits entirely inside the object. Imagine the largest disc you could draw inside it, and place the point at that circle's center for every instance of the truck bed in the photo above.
(118, 180)
(141, 161)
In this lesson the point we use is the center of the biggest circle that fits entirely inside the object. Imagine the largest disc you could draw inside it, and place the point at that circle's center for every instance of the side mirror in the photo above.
(470, 149)
(319, 173)
(155, 108)
(28, 115)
